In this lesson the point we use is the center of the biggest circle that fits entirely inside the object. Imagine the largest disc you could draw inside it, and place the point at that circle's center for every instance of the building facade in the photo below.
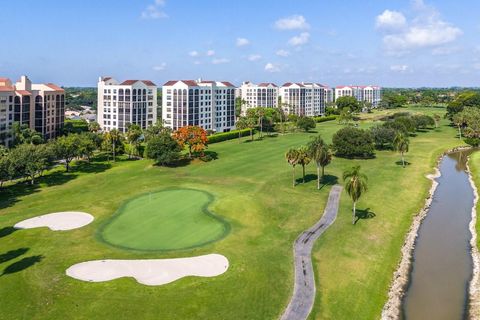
(258, 95)
(371, 94)
(303, 99)
(41, 107)
(128, 102)
(207, 104)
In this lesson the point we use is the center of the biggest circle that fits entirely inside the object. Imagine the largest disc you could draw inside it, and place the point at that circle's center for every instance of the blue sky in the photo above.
(389, 43)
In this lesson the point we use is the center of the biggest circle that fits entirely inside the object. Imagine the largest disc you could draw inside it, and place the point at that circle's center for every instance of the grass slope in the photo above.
(251, 183)
(165, 220)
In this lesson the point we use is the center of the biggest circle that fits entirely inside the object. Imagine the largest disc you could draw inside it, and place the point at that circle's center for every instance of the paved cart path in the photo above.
(304, 290)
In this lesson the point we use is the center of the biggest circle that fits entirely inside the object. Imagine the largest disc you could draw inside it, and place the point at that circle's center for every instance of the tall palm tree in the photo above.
(401, 143)
(240, 125)
(303, 159)
(355, 185)
(292, 158)
(320, 153)
(115, 136)
(459, 121)
(437, 118)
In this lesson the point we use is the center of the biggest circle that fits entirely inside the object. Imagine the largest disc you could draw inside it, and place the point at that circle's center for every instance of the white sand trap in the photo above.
(151, 272)
(57, 221)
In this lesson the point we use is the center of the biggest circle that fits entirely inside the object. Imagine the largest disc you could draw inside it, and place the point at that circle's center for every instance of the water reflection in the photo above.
(442, 264)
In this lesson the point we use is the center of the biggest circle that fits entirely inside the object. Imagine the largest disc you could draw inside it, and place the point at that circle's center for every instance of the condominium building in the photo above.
(303, 99)
(329, 94)
(371, 94)
(207, 104)
(39, 106)
(128, 102)
(258, 95)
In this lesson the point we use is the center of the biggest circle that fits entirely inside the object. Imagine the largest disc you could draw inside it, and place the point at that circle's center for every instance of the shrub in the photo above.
(351, 142)
(224, 136)
(305, 123)
(325, 118)
(383, 136)
(474, 142)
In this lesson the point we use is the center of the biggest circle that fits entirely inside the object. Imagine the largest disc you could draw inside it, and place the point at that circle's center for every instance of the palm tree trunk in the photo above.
(323, 171)
(293, 180)
(459, 133)
(251, 134)
(403, 160)
(303, 170)
(354, 212)
(318, 178)
(113, 150)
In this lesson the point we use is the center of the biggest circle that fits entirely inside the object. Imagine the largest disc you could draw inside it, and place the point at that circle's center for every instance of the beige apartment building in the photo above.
(39, 106)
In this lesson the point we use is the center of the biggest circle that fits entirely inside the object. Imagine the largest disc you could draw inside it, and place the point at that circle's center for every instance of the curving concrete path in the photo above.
(301, 303)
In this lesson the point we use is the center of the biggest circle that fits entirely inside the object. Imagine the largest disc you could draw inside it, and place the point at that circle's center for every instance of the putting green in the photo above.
(166, 220)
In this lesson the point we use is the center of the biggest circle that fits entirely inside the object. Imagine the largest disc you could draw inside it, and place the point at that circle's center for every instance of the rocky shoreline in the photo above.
(393, 307)
(474, 287)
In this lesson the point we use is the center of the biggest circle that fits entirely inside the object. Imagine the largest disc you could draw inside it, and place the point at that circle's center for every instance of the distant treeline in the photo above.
(76, 97)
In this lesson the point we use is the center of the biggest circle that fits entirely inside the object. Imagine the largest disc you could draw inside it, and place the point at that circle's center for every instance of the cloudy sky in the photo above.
(407, 43)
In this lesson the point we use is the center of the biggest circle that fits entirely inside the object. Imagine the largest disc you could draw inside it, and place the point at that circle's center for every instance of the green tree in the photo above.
(462, 100)
(292, 158)
(345, 117)
(303, 159)
(87, 144)
(320, 153)
(459, 120)
(241, 125)
(94, 127)
(437, 118)
(355, 185)
(30, 160)
(305, 123)
(6, 169)
(383, 136)
(154, 130)
(23, 134)
(401, 144)
(348, 102)
(66, 148)
(163, 149)
(134, 133)
(351, 142)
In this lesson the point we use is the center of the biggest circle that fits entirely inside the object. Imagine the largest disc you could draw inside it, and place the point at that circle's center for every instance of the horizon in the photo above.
(400, 44)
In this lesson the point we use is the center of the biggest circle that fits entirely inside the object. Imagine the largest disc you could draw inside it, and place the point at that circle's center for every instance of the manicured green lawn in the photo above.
(251, 184)
(165, 220)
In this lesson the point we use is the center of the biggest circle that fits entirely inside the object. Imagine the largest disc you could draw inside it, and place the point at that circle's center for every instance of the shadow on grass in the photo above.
(12, 254)
(9, 195)
(328, 180)
(400, 163)
(6, 231)
(21, 265)
(364, 214)
(183, 162)
(91, 167)
(308, 177)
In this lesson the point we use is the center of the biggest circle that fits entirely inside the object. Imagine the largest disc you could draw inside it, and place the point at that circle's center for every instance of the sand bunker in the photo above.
(151, 272)
(57, 221)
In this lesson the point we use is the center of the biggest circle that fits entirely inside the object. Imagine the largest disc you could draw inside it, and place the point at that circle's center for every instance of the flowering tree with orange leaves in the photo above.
(192, 136)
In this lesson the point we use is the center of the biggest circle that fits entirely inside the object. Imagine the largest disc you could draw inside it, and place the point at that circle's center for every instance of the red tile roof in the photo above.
(228, 84)
(266, 84)
(23, 92)
(6, 88)
(4, 79)
(130, 82)
(170, 83)
(288, 84)
(54, 87)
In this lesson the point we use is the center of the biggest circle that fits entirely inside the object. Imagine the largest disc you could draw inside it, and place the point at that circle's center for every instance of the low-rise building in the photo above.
(39, 106)
(207, 104)
(128, 102)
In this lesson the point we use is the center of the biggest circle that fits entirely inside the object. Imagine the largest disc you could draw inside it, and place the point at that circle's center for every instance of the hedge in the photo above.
(223, 136)
(324, 119)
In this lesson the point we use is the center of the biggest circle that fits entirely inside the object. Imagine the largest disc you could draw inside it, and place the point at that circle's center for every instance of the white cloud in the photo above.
(425, 30)
(391, 20)
(210, 53)
(476, 66)
(270, 67)
(160, 67)
(254, 57)
(292, 23)
(154, 11)
(299, 40)
(242, 42)
(443, 51)
(220, 61)
(197, 62)
(193, 53)
(282, 53)
(400, 68)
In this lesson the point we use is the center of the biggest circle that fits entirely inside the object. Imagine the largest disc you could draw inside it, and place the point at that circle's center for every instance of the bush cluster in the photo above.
(224, 136)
